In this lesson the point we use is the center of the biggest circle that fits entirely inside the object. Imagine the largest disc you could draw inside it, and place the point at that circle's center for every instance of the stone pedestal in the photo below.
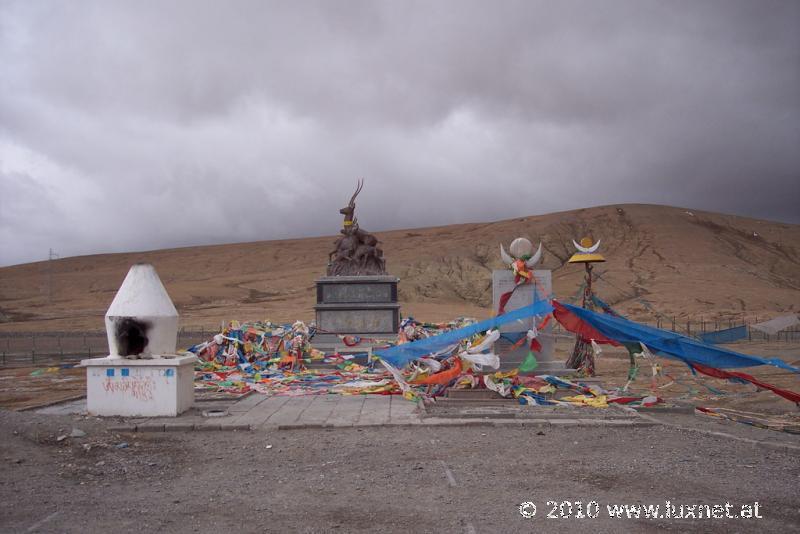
(355, 305)
(160, 386)
(502, 282)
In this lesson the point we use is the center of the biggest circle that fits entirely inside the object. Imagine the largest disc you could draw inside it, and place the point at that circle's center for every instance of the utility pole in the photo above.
(50, 257)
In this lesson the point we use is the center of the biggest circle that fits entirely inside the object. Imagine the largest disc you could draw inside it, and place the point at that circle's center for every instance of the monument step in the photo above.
(472, 394)
(444, 402)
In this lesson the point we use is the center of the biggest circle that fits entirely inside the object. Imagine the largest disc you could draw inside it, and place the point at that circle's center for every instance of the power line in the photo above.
(635, 298)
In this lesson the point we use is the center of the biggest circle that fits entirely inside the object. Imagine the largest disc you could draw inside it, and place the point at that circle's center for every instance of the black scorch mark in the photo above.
(131, 336)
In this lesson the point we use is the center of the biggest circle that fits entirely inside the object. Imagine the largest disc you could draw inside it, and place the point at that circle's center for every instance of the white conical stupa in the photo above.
(141, 322)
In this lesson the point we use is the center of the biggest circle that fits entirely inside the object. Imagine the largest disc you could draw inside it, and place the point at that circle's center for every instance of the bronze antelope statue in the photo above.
(356, 252)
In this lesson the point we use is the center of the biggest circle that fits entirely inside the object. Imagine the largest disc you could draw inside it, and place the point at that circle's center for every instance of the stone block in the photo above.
(153, 387)
(357, 292)
(357, 305)
(357, 289)
(358, 320)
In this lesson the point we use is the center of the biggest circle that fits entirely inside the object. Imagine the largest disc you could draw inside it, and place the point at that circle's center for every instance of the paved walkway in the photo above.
(259, 412)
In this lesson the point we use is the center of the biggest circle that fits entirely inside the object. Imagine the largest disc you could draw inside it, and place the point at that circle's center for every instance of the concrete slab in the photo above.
(179, 427)
(346, 411)
(289, 413)
(137, 420)
(212, 423)
(375, 410)
(65, 408)
(260, 413)
(403, 411)
(234, 427)
(319, 410)
(247, 403)
(440, 421)
(185, 420)
(301, 426)
(339, 424)
(399, 407)
(150, 427)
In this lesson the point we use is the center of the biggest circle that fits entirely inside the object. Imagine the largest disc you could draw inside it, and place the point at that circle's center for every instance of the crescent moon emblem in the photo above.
(589, 250)
(535, 258)
(508, 260)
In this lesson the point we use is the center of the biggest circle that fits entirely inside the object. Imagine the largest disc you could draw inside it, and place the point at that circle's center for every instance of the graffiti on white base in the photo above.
(140, 388)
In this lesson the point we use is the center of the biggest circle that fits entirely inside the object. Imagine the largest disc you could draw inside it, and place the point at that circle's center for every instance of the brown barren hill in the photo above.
(661, 260)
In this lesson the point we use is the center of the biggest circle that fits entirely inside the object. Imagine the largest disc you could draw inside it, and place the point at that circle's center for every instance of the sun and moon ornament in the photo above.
(522, 259)
(587, 252)
(582, 355)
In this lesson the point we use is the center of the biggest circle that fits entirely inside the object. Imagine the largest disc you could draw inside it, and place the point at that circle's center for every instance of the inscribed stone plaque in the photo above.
(357, 321)
(347, 293)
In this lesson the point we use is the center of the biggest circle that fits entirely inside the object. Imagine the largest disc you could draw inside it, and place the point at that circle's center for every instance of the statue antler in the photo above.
(352, 203)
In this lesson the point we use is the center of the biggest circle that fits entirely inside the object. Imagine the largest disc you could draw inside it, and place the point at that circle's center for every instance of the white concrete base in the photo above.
(162, 386)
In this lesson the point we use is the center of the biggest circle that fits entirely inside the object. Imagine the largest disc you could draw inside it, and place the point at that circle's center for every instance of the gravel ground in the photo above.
(428, 479)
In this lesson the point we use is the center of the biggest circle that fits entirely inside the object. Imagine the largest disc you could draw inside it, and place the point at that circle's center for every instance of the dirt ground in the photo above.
(20, 390)
(677, 384)
(437, 479)
(429, 479)
(423, 479)
(360, 480)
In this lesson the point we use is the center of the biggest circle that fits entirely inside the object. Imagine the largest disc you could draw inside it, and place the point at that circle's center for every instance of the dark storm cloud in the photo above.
(131, 125)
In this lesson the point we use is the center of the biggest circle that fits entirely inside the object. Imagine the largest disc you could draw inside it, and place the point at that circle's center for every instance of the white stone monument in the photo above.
(142, 375)
(539, 288)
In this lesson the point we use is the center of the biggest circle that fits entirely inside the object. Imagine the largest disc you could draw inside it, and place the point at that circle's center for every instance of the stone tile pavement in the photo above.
(259, 412)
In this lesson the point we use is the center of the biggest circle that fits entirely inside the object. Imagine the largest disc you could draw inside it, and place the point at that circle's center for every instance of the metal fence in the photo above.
(40, 348)
(696, 328)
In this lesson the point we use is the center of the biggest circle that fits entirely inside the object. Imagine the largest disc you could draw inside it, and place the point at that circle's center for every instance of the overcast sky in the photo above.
(130, 125)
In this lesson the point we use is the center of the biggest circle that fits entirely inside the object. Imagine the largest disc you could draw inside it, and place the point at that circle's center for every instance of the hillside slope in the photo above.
(674, 261)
